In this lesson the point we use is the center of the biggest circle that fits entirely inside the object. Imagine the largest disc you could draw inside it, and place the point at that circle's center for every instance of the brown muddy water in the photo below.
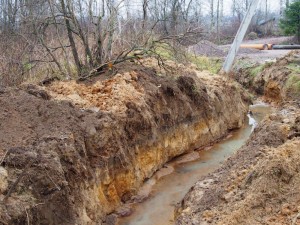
(169, 185)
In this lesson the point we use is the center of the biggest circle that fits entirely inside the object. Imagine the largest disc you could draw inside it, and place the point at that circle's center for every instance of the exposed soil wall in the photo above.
(260, 183)
(73, 152)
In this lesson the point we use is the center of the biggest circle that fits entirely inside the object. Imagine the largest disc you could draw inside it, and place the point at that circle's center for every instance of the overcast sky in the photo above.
(272, 4)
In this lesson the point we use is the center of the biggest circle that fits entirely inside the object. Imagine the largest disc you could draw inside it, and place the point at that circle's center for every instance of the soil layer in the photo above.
(71, 153)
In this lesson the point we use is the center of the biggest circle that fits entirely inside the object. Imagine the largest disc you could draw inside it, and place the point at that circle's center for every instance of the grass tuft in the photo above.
(212, 65)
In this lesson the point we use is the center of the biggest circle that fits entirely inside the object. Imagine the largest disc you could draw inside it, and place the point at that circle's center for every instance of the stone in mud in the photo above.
(111, 220)
(124, 211)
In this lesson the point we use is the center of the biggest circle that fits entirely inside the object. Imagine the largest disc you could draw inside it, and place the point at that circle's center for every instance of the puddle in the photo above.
(158, 209)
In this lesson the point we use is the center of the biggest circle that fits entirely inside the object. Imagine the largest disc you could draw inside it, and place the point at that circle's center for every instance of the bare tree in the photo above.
(212, 15)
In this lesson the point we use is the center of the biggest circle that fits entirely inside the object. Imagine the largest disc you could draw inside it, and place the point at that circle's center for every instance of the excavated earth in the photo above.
(71, 153)
(260, 184)
(277, 82)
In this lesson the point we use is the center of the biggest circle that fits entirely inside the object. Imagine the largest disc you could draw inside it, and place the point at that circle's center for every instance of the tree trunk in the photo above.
(221, 11)
(298, 33)
(145, 15)
(212, 20)
(174, 14)
(71, 39)
(266, 12)
(218, 21)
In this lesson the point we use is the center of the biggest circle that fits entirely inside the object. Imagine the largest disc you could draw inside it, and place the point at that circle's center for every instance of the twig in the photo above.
(57, 187)
(28, 221)
(2, 160)
(295, 219)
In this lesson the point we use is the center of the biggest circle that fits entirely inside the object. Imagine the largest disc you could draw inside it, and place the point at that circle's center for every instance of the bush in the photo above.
(252, 36)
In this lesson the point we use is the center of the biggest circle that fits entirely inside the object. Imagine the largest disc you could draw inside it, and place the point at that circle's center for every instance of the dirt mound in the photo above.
(277, 82)
(258, 185)
(110, 95)
(207, 48)
(71, 153)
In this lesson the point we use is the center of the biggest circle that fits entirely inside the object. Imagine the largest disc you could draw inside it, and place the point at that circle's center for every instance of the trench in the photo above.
(169, 185)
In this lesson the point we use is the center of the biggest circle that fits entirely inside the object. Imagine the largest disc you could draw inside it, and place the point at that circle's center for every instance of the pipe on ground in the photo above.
(256, 46)
(286, 46)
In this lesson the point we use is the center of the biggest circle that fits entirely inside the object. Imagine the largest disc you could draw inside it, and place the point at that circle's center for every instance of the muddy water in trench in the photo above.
(158, 209)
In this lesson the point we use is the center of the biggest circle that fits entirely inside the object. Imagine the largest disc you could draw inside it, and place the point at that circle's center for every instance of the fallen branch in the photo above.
(295, 219)
(3, 158)
(108, 65)
(27, 216)
(57, 187)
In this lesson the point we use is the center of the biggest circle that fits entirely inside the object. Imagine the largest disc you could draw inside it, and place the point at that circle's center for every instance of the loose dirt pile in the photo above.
(109, 95)
(277, 82)
(71, 153)
(207, 48)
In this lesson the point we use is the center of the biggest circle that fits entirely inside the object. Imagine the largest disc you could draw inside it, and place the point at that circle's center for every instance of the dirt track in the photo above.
(264, 55)
(209, 49)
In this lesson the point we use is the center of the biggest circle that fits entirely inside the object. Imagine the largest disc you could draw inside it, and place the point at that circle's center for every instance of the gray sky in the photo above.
(272, 4)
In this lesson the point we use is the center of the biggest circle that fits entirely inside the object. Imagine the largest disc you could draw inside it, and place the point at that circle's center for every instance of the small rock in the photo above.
(94, 109)
(140, 198)
(111, 220)
(286, 120)
(91, 130)
(285, 209)
(3, 180)
(127, 76)
(124, 211)
(186, 210)
(228, 196)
